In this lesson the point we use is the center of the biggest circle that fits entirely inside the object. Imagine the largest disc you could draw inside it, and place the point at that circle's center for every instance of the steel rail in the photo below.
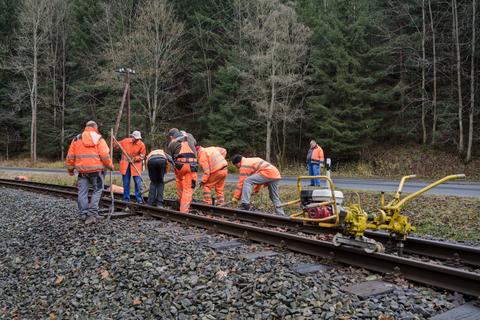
(456, 253)
(430, 274)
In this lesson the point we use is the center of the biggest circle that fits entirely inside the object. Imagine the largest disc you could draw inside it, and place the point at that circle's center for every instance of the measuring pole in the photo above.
(128, 105)
(125, 100)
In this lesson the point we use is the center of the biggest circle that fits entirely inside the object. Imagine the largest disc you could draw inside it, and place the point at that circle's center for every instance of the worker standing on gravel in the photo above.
(256, 172)
(135, 149)
(215, 171)
(89, 155)
(315, 160)
(181, 148)
(157, 164)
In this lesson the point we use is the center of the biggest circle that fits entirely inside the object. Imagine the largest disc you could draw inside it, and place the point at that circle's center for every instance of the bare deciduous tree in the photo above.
(275, 46)
(472, 86)
(35, 23)
(154, 49)
(459, 74)
(434, 93)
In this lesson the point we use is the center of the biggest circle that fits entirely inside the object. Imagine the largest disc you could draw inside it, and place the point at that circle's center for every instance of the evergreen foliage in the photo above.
(359, 82)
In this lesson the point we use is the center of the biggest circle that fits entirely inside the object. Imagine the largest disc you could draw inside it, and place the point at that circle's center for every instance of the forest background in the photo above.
(260, 77)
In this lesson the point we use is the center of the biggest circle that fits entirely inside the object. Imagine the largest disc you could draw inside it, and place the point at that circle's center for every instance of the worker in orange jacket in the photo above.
(136, 151)
(215, 171)
(315, 160)
(254, 174)
(89, 155)
(181, 148)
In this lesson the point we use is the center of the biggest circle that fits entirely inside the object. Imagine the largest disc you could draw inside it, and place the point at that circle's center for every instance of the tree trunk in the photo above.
(272, 104)
(472, 87)
(33, 99)
(424, 126)
(434, 98)
(459, 78)
(268, 146)
(64, 88)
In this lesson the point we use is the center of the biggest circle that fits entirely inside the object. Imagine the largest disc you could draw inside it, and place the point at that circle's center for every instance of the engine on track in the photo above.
(325, 208)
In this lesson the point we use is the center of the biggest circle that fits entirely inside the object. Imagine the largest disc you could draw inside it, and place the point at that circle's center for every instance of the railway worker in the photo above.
(315, 160)
(157, 164)
(215, 171)
(181, 148)
(89, 155)
(256, 172)
(135, 149)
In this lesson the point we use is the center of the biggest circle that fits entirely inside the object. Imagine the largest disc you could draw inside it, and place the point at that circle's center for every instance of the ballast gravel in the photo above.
(54, 267)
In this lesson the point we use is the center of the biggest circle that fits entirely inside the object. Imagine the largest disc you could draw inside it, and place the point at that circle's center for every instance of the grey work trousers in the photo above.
(272, 190)
(85, 180)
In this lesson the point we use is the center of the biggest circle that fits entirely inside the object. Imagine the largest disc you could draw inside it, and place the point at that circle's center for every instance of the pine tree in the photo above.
(342, 104)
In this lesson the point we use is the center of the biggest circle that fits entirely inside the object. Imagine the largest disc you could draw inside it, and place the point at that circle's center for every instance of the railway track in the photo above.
(258, 227)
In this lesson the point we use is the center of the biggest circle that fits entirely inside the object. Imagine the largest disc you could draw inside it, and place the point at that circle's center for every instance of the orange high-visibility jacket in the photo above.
(88, 152)
(249, 166)
(317, 154)
(136, 152)
(158, 153)
(211, 159)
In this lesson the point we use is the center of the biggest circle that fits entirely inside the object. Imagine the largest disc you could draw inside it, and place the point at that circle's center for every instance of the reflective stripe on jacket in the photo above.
(136, 151)
(156, 154)
(88, 152)
(211, 159)
(249, 166)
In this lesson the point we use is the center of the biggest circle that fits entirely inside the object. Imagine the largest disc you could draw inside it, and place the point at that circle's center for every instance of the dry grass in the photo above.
(382, 162)
(441, 216)
(26, 163)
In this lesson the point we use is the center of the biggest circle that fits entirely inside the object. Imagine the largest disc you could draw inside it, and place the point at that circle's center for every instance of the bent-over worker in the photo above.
(136, 151)
(89, 155)
(215, 171)
(256, 172)
(181, 148)
(315, 161)
(157, 164)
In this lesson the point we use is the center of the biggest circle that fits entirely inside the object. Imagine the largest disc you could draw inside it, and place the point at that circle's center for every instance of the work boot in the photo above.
(245, 206)
(90, 220)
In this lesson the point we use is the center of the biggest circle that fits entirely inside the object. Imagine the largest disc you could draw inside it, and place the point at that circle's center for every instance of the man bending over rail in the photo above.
(256, 172)
(89, 155)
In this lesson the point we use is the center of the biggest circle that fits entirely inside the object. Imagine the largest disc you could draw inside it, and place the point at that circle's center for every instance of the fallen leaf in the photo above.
(59, 280)
(384, 317)
(371, 277)
(53, 316)
(221, 274)
(36, 265)
(105, 274)
(136, 301)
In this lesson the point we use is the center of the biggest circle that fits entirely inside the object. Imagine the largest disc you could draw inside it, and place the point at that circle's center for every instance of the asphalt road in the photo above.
(452, 188)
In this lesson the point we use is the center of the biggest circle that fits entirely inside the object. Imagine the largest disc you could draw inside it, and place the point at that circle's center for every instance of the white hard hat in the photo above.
(136, 134)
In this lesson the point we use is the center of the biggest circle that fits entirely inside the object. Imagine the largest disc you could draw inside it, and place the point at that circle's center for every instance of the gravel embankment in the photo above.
(52, 266)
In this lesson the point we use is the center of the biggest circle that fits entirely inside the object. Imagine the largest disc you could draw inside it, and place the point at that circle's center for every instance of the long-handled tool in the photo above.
(164, 182)
(112, 205)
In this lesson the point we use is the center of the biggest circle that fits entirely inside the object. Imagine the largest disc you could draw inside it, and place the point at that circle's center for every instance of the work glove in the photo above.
(234, 201)
(201, 184)
(71, 172)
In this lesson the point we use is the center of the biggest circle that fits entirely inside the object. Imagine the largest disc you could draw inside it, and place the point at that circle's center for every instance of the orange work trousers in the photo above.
(215, 181)
(186, 180)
